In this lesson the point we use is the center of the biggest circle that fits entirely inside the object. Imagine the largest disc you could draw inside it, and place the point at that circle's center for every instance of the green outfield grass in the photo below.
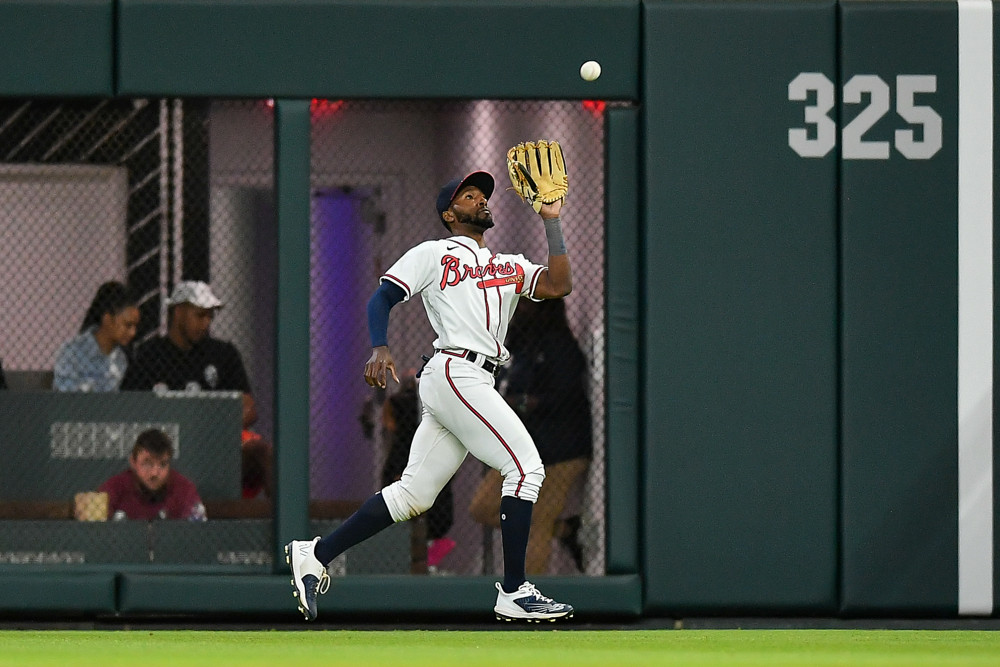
(507, 648)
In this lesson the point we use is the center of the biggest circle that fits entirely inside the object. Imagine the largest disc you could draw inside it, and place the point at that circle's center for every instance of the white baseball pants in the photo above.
(462, 413)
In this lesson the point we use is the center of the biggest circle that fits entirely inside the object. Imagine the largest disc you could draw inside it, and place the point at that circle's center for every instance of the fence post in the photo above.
(291, 414)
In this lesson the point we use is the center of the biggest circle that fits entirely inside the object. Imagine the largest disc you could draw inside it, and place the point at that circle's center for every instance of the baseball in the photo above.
(590, 70)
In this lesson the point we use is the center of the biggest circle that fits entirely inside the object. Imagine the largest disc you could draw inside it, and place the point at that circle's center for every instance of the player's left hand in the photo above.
(379, 364)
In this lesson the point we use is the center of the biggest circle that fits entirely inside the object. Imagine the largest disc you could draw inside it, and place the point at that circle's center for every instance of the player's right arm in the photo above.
(381, 362)
(557, 281)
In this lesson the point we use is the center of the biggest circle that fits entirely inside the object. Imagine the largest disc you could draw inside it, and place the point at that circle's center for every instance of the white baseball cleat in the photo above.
(527, 604)
(309, 578)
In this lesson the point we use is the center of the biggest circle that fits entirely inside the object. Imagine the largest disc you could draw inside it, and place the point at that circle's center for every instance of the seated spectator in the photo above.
(149, 489)
(188, 358)
(95, 359)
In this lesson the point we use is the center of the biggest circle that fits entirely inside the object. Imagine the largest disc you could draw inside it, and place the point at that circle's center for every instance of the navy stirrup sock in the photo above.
(370, 518)
(515, 523)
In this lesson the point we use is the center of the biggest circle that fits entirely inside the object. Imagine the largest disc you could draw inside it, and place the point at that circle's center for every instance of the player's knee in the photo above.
(524, 485)
(406, 502)
(420, 504)
(533, 482)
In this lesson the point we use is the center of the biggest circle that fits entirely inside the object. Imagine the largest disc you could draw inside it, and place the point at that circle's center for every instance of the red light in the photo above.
(326, 106)
(595, 107)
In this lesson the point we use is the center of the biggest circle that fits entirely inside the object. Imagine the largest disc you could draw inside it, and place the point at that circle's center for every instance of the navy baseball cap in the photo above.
(481, 179)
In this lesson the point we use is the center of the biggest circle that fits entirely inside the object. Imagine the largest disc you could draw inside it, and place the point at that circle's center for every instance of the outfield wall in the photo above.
(800, 278)
(818, 209)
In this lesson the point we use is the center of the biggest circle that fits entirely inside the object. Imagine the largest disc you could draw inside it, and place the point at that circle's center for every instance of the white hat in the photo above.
(195, 292)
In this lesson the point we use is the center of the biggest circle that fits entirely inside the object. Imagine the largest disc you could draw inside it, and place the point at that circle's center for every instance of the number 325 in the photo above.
(854, 145)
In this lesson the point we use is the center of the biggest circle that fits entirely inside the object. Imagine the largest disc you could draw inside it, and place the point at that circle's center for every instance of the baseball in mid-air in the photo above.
(590, 70)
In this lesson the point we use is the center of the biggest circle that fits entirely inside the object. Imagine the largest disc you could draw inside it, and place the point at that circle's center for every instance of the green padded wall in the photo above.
(623, 356)
(467, 598)
(56, 48)
(740, 469)
(753, 231)
(900, 309)
(51, 590)
(291, 167)
(388, 48)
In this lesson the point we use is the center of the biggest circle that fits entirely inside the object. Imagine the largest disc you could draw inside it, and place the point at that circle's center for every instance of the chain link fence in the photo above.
(122, 191)
(154, 192)
(376, 169)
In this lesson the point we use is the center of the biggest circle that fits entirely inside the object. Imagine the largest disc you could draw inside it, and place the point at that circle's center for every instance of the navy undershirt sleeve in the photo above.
(385, 297)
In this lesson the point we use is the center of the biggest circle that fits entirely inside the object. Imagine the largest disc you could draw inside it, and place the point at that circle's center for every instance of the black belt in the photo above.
(477, 359)
(485, 364)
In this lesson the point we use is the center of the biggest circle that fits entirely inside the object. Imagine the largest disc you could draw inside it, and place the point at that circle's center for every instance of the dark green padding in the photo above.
(740, 362)
(900, 327)
(44, 590)
(623, 362)
(56, 48)
(390, 48)
(291, 428)
(349, 597)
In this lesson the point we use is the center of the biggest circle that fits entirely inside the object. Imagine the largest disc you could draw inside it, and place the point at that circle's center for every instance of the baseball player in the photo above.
(469, 293)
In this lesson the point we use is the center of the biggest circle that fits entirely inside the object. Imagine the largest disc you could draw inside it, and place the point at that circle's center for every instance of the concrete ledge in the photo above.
(612, 596)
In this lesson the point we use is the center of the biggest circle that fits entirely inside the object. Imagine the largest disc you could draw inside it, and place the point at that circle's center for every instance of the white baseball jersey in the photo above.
(468, 292)
(469, 295)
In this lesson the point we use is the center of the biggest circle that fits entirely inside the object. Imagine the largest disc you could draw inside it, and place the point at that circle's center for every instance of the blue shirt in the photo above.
(81, 366)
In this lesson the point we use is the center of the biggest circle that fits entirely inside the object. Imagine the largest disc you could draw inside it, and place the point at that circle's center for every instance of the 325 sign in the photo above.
(918, 139)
